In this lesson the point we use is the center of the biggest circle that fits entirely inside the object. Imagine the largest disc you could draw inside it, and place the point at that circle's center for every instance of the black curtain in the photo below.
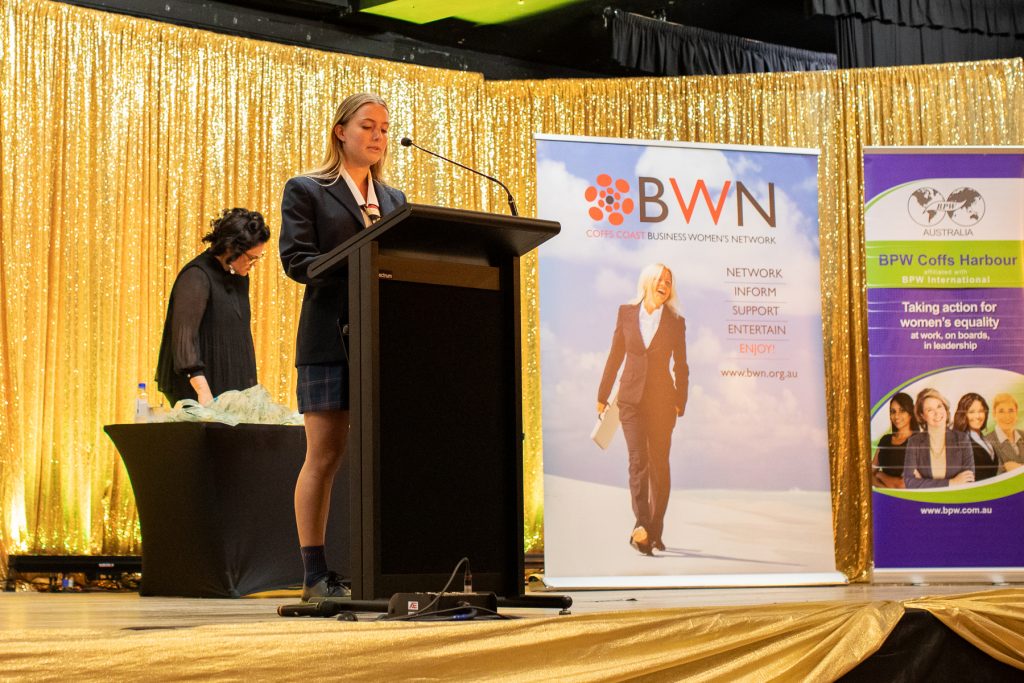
(897, 32)
(665, 49)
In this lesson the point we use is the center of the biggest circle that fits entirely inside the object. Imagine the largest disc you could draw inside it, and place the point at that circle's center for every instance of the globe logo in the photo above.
(971, 207)
(924, 206)
(964, 206)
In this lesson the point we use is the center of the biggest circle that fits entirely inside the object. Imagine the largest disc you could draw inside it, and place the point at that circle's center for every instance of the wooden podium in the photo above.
(436, 446)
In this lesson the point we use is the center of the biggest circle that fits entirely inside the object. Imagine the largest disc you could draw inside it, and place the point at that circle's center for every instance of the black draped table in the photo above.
(216, 508)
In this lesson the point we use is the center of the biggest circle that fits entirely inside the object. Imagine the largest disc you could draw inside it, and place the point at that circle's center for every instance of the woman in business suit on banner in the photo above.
(319, 211)
(938, 456)
(650, 335)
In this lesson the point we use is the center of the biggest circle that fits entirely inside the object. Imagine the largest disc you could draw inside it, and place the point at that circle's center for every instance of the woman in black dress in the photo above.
(971, 416)
(207, 346)
(888, 461)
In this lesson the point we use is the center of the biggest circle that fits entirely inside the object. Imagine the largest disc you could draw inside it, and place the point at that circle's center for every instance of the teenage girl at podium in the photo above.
(320, 210)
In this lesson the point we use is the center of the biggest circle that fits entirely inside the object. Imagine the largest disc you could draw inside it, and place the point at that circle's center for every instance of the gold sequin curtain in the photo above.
(120, 138)
(979, 103)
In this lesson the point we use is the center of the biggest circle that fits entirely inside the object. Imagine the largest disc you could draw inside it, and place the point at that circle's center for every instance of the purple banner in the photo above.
(916, 534)
(904, 343)
(885, 171)
(945, 276)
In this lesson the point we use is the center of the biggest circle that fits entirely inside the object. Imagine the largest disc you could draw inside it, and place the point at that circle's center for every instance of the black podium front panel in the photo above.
(436, 397)
(216, 506)
(447, 486)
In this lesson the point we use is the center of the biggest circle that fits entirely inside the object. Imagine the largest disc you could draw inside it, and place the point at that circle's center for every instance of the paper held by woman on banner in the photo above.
(607, 423)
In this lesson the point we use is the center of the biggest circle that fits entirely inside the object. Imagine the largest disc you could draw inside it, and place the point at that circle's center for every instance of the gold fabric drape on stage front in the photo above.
(992, 621)
(121, 138)
(789, 642)
(779, 642)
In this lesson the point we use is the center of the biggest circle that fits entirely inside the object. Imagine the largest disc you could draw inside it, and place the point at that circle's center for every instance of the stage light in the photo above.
(473, 11)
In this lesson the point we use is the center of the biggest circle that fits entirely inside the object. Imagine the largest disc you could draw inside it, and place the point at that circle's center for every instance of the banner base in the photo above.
(694, 581)
(997, 576)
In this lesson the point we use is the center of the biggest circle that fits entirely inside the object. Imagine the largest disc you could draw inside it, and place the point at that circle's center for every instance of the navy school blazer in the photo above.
(315, 218)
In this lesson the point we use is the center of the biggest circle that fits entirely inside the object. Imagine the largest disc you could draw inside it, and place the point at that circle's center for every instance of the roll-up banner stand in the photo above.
(943, 244)
(682, 301)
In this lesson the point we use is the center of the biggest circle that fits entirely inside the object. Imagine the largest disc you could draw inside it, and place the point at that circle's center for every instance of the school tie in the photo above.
(372, 211)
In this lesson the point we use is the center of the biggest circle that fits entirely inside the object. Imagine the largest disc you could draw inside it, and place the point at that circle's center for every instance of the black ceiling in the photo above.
(576, 37)
(571, 41)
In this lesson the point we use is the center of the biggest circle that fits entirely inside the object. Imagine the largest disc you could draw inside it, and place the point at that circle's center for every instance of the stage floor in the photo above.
(860, 633)
(107, 610)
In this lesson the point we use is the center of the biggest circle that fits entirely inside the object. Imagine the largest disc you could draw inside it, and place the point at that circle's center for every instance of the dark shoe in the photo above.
(658, 545)
(328, 587)
(638, 539)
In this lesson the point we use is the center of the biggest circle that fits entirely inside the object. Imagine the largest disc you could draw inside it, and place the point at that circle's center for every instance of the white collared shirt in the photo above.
(1001, 437)
(368, 205)
(978, 439)
(649, 323)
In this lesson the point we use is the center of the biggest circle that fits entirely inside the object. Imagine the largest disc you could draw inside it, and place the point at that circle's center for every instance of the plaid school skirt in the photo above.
(322, 387)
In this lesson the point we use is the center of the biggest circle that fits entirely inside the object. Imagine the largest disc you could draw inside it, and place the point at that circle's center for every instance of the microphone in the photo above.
(407, 142)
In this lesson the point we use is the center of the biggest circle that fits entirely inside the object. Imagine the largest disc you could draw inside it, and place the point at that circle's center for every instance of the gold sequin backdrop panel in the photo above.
(979, 103)
(779, 110)
(963, 104)
(982, 107)
(121, 139)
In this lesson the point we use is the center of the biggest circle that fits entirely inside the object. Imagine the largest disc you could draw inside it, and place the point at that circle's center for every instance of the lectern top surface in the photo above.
(435, 231)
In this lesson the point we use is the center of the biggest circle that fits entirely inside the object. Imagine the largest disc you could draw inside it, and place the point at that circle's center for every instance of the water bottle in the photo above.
(142, 410)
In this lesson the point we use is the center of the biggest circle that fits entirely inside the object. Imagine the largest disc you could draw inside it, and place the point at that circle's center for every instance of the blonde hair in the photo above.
(649, 280)
(999, 399)
(334, 156)
(925, 394)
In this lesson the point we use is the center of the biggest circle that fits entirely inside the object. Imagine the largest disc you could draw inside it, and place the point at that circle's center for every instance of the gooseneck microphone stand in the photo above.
(407, 142)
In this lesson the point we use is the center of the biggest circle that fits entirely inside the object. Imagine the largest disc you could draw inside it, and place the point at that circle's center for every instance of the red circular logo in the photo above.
(608, 199)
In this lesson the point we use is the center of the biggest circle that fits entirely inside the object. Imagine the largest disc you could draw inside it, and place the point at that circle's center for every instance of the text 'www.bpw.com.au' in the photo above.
(947, 510)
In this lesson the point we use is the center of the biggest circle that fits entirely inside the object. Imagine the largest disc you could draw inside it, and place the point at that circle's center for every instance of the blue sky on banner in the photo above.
(739, 432)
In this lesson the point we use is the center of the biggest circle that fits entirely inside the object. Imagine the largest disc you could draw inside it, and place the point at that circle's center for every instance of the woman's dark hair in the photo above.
(236, 231)
(960, 417)
(904, 401)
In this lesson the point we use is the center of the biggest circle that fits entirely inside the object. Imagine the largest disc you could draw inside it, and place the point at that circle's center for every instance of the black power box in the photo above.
(404, 604)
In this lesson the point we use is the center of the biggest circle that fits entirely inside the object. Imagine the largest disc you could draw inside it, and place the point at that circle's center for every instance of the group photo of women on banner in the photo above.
(944, 231)
(682, 374)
